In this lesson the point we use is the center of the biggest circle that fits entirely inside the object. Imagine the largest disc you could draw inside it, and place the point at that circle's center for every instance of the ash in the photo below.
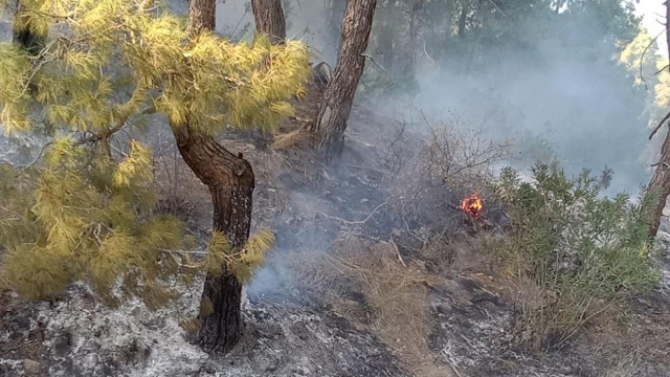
(79, 337)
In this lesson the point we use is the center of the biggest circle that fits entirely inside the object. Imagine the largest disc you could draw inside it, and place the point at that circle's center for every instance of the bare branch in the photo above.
(644, 52)
(498, 8)
(115, 129)
(360, 222)
(659, 125)
(377, 64)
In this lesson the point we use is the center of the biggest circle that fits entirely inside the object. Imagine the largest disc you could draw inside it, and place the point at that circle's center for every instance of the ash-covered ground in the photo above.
(295, 328)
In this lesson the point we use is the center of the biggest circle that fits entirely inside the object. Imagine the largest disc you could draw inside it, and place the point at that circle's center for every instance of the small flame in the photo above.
(472, 205)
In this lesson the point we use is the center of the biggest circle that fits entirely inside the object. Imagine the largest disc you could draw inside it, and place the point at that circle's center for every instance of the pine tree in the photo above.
(87, 212)
(338, 98)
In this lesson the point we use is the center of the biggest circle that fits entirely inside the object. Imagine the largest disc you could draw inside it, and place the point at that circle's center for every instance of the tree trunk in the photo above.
(201, 16)
(269, 16)
(331, 121)
(660, 182)
(461, 21)
(230, 180)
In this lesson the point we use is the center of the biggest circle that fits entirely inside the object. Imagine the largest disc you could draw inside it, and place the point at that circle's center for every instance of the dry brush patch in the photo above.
(370, 284)
(437, 173)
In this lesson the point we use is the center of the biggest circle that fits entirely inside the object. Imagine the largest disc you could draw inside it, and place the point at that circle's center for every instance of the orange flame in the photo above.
(472, 205)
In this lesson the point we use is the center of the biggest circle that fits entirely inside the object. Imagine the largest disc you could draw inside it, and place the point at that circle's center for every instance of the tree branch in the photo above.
(115, 129)
(377, 64)
(644, 52)
(659, 125)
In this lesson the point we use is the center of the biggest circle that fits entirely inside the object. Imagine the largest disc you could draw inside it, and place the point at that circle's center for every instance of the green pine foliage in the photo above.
(86, 211)
(588, 254)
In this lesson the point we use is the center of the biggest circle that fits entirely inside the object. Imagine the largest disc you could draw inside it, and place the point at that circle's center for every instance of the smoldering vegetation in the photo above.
(378, 239)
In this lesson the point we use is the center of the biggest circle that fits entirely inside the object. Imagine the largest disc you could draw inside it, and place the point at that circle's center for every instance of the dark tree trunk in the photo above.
(230, 180)
(461, 21)
(660, 182)
(270, 20)
(331, 121)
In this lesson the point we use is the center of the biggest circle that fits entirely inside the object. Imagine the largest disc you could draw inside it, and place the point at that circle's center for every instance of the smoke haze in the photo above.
(544, 101)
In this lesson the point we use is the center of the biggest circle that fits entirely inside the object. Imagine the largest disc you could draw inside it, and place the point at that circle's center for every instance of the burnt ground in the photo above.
(294, 329)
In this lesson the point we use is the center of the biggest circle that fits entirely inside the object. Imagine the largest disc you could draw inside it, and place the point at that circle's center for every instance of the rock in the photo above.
(31, 367)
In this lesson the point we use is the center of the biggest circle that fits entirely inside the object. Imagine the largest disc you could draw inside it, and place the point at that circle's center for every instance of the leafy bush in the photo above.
(587, 254)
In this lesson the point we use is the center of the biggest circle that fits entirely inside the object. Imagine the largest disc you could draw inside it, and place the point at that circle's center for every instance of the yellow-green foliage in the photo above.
(83, 212)
(68, 220)
(104, 48)
(240, 262)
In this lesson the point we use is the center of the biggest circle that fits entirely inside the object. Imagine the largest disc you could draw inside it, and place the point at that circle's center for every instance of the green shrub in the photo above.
(585, 253)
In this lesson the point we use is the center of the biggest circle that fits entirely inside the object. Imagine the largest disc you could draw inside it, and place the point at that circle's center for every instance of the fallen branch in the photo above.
(360, 222)
(397, 252)
(451, 365)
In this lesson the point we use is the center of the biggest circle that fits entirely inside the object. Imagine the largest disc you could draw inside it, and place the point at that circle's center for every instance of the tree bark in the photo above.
(660, 181)
(230, 180)
(461, 21)
(270, 20)
(334, 110)
(201, 16)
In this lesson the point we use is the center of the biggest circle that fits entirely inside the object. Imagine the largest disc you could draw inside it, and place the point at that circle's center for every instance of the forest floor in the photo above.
(375, 272)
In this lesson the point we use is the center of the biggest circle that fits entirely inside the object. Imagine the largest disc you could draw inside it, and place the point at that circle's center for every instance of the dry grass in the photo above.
(393, 302)
(291, 139)
(628, 366)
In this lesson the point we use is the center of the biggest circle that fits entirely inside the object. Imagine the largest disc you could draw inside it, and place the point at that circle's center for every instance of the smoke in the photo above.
(562, 97)
(581, 117)
(578, 108)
